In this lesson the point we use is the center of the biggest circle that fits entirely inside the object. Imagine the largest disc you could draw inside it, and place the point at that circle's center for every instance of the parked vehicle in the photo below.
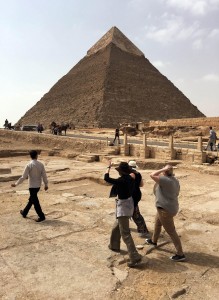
(29, 128)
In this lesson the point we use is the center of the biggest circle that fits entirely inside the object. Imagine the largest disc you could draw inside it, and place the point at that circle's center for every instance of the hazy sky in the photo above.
(41, 40)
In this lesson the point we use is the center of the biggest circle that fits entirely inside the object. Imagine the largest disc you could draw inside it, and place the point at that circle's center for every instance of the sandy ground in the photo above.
(66, 257)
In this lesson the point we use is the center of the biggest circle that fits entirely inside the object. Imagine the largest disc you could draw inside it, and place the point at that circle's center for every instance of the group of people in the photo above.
(126, 189)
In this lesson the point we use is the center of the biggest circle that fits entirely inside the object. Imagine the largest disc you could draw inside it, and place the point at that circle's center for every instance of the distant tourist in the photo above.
(136, 195)
(6, 123)
(166, 191)
(124, 211)
(35, 172)
(40, 128)
(116, 136)
(212, 139)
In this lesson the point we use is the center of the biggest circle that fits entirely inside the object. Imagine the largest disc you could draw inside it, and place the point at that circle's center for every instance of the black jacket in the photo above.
(124, 185)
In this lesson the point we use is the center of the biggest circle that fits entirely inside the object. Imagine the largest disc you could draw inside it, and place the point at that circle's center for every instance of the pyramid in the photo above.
(112, 84)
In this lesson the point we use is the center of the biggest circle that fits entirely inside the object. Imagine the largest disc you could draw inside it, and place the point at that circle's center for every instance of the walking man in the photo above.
(35, 172)
(166, 191)
(116, 136)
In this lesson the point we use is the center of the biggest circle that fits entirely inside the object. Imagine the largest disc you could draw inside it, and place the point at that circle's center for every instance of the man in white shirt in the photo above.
(35, 172)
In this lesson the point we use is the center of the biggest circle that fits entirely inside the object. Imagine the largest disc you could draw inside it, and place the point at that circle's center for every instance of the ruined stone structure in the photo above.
(112, 84)
(210, 121)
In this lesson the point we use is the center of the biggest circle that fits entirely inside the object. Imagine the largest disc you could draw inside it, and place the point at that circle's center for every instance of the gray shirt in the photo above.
(213, 136)
(166, 192)
(35, 172)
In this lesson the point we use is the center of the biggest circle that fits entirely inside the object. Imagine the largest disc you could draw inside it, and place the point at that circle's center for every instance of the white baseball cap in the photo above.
(132, 163)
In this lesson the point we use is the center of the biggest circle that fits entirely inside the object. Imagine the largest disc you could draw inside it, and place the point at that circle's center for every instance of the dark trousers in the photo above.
(33, 200)
(139, 220)
(116, 137)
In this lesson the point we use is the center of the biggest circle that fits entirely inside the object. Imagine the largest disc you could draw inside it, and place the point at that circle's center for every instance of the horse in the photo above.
(63, 127)
(57, 129)
(52, 127)
(8, 126)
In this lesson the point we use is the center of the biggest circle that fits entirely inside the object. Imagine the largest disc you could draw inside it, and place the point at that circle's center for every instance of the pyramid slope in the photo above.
(114, 83)
(139, 92)
(77, 97)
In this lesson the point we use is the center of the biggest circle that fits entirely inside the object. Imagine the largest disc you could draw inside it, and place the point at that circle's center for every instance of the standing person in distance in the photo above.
(124, 210)
(166, 191)
(116, 136)
(212, 139)
(35, 172)
(137, 217)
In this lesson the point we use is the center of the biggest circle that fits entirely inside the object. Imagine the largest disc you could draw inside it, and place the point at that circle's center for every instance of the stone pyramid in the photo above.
(112, 84)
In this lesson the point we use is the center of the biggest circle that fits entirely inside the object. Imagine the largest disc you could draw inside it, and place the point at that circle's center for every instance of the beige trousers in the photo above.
(163, 218)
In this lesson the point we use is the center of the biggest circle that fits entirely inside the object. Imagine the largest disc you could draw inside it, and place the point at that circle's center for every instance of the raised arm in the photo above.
(156, 175)
(107, 178)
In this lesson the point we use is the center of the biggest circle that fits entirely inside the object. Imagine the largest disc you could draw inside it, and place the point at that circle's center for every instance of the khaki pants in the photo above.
(163, 218)
(121, 229)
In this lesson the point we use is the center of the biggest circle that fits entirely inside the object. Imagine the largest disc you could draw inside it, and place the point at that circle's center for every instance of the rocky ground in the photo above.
(66, 257)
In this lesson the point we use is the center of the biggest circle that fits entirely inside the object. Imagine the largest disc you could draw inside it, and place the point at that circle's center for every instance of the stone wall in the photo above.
(165, 153)
(210, 121)
(71, 145)
(49, 142)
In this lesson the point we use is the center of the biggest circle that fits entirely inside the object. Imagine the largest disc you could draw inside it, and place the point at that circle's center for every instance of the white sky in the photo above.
(41, 40)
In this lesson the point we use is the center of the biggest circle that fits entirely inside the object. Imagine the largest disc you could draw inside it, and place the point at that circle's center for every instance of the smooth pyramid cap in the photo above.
(115, 36)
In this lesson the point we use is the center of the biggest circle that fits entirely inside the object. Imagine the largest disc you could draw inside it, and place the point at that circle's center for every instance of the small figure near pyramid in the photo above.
(114, 83)
(116, 136)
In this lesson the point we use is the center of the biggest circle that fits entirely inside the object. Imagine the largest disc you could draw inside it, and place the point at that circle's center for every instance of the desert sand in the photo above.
(67, 256)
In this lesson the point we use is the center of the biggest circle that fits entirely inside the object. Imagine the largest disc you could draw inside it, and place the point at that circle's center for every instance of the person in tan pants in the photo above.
(166, 191)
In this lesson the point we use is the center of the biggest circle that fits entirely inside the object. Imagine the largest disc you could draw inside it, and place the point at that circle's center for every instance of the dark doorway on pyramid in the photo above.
(112, 84)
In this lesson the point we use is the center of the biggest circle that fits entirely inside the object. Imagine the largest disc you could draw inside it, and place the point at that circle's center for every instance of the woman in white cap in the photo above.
(136, 195)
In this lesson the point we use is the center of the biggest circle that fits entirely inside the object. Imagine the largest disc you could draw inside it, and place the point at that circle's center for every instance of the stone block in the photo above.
(125, 150)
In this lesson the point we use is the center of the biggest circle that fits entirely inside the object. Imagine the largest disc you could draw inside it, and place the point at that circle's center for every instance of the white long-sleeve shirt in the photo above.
(35, 172)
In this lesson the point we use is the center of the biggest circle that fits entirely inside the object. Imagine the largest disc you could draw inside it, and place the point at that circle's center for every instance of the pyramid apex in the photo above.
(116, 37)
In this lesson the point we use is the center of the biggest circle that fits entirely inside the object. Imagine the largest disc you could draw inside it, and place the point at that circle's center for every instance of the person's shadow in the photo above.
(202, 259)
(165, 265)
(55, 223)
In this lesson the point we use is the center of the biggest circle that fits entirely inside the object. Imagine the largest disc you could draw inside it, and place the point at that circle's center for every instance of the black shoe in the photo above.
(149, 242)
(134, 263)
(178, 257)
(22, 213)
(40, 219)
(115, 250)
